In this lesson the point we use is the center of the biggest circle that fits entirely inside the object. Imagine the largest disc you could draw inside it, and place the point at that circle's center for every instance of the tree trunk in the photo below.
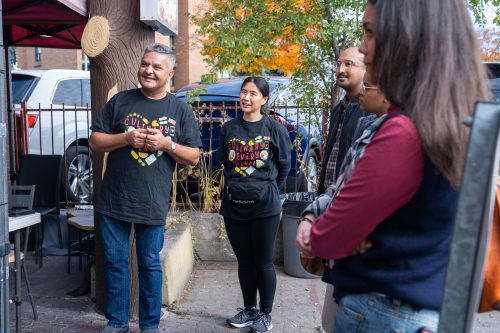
(114, 39)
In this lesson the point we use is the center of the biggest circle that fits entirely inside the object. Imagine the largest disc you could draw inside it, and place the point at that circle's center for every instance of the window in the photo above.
(22, 87)
(68, 92)
(38, 54)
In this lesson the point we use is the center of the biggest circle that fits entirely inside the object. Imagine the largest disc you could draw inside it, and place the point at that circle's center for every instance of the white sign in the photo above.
(79, 6)
(161, 15)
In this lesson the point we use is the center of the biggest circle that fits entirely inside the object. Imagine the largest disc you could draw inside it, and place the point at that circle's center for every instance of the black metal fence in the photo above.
(65, 131)
(62, 131)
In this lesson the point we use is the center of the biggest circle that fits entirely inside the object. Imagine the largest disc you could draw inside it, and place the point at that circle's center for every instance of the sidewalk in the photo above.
(213, 295)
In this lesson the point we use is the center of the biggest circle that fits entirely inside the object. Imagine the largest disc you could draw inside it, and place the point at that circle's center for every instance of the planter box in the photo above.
(177, 261)
(209, 236)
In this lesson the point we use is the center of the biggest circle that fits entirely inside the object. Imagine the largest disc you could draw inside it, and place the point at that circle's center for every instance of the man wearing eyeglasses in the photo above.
(344, 118)
(342, 126)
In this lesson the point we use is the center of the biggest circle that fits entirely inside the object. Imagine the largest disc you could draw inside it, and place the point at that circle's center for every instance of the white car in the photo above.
(53, 131)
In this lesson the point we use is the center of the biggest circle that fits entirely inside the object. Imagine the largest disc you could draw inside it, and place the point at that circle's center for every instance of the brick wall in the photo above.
(50, 58)
(190, 64)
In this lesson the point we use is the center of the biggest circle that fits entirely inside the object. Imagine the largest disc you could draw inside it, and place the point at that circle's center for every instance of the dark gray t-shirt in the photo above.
(254, 154)
(137, 182)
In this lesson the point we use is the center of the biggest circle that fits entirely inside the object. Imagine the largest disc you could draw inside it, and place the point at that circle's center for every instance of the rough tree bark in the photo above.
(114, 40)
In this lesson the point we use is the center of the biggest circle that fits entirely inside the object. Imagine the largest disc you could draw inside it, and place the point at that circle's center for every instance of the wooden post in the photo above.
(114, 39)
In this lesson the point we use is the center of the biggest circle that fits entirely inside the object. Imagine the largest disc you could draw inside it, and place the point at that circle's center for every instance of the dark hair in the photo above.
(162, 48)
(427, 59)
(261, 84)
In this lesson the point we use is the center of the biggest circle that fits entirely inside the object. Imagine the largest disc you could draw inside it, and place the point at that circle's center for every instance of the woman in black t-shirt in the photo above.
(255, 151)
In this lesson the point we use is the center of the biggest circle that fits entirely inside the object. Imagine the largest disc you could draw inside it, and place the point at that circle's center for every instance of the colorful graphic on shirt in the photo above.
(248, 156)
(135, 120)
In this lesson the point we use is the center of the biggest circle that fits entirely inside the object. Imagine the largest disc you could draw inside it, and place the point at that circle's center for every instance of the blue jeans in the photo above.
(149, 242)
(368, 313)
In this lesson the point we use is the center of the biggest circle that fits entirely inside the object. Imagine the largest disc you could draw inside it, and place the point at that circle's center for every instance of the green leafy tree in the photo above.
(299, 37)
(478, 9)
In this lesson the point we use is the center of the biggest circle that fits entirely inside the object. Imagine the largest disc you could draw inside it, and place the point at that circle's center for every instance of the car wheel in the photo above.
(309, 180)
(78, 176)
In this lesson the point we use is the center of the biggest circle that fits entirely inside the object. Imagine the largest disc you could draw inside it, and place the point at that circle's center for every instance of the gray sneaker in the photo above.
(262, 324)
(243, 318)
(110, 329)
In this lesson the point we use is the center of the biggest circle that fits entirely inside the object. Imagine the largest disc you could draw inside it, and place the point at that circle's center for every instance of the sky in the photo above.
(489, 12)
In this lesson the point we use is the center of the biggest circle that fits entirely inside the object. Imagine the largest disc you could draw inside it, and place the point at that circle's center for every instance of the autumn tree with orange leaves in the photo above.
(302, 38)
(236, 29)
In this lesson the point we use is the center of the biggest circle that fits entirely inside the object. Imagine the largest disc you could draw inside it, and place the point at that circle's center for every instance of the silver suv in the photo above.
(58, 112)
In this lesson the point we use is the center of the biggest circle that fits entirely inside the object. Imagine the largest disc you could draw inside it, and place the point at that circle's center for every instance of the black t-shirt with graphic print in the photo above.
(255, 153)
(137, 182)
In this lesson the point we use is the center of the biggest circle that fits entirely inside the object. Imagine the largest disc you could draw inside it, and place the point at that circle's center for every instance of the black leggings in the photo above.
(253, 244)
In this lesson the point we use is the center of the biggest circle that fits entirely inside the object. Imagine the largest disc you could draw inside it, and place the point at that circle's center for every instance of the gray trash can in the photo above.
(293, 205)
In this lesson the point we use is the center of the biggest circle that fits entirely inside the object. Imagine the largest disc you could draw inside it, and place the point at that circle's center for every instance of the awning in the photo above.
(44, 23)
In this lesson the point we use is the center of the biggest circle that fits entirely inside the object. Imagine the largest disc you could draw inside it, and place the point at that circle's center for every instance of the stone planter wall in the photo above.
(209, 236)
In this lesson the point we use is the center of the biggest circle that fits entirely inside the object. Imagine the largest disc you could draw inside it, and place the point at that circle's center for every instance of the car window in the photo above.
(493, 70)
(86, 92)
(495, 89)
(22, 87)
(68, 92)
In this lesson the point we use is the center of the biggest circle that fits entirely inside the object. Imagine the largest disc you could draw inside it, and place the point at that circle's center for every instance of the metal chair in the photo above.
(45, 172)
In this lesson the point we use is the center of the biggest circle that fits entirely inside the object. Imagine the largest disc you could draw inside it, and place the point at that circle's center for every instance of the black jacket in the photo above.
(353, 113)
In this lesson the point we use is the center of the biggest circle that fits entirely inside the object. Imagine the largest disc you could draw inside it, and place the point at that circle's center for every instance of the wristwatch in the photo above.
(173, 145)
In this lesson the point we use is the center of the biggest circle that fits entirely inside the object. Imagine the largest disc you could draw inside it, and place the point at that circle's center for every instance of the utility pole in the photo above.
(114, 40)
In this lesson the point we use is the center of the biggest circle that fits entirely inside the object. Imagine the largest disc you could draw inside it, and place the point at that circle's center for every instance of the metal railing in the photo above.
(200, 186)
(58, 130)
(65, 131)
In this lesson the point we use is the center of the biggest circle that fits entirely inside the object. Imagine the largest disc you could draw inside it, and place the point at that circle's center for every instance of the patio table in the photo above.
(15, 225)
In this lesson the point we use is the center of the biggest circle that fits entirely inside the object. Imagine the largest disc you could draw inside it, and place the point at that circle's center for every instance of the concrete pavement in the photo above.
(212, 295)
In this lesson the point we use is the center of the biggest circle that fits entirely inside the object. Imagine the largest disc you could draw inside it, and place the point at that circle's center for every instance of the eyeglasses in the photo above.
(367, 86)
(347, 64)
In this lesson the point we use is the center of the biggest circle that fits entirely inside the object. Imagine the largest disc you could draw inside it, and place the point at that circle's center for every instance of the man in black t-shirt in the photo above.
(145, 131)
